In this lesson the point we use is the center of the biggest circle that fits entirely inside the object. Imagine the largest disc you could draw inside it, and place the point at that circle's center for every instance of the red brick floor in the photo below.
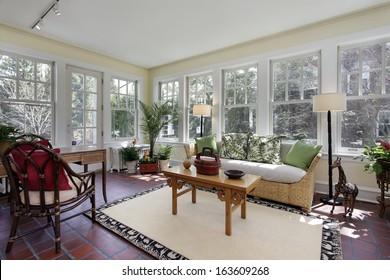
(365, 236)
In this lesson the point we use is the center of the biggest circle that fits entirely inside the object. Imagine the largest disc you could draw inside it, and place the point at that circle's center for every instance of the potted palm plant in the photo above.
(155, 117)
(8, 135)
(163, 155)
(131, 156)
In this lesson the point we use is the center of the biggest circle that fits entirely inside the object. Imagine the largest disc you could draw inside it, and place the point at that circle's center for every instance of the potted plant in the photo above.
(155, 117)
(8, 135)
(163, 155)
(377, 157)
(131, 156)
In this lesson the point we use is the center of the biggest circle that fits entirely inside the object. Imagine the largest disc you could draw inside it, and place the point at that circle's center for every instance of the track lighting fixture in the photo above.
(39, 24)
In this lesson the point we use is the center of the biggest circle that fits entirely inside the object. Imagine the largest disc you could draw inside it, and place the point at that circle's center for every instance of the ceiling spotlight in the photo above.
(56, 10)
(39, 24)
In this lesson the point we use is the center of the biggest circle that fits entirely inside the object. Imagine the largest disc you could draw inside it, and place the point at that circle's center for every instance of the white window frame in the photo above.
(18, 100)
(174, 97)
(125, 95)
(252, 105)
(360, 95)
(301, 81)
(198, 96)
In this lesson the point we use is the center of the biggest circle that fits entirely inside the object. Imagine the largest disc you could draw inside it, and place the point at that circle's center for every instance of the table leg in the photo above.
(174, 198)
(104, 181)
(243, 208)
(228, 212)
(193, 194)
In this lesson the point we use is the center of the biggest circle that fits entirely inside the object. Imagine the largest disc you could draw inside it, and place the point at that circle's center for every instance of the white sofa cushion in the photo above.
(281, 173)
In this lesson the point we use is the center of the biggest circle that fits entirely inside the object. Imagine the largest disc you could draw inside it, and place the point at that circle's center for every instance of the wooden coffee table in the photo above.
(232, 191)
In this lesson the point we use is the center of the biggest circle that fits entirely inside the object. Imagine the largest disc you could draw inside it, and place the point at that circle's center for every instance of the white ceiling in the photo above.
(151, 33)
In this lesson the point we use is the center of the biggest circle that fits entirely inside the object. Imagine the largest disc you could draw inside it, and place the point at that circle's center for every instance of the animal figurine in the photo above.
(348, 190)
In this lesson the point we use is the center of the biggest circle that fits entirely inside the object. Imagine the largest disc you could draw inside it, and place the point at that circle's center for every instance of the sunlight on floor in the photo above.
(149, 178)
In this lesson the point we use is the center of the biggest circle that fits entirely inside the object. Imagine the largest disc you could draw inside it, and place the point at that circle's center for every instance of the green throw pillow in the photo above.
(301, 155)
(206, 142)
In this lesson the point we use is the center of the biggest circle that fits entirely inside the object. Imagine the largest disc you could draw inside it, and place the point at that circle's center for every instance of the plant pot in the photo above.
(148, 167)
(132, 166)
(164, 164)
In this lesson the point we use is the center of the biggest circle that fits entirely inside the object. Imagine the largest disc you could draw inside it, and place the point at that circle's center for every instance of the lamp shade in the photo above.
(202, 110)
(329, 102)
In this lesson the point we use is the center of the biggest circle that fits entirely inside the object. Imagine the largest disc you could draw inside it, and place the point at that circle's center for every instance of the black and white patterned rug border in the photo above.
(331, 239)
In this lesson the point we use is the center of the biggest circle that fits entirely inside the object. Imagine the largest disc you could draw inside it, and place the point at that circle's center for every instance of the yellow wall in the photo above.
(31, 41)
(354, 22)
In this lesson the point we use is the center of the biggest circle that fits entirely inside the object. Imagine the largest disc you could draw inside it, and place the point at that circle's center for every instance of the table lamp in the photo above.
(202, 110)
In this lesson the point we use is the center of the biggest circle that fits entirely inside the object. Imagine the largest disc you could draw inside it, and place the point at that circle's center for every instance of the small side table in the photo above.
(383, 180)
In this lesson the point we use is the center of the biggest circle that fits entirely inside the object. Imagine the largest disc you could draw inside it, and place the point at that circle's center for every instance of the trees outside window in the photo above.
(364, 75)
(200, 91)
(240, 99)
(26, 94)
(295, 80)
(123, 99)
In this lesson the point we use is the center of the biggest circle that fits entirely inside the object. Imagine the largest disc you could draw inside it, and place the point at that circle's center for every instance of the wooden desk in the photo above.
(83, 156)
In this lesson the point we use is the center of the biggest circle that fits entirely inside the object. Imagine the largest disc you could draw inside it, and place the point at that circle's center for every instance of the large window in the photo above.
(169, 91)
(123, 98)
(240, 99)
(200, 91)
(26, 94)
(294, 82)
(364, 75)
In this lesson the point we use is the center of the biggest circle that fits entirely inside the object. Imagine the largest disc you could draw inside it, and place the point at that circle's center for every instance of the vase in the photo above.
(148, 167)
(132, 166)
(163, 164)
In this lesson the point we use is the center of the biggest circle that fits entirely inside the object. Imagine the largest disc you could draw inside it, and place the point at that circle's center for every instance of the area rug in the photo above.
(197, 232)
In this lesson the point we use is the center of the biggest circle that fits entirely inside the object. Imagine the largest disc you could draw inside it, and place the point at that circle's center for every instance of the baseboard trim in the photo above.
(365, 193)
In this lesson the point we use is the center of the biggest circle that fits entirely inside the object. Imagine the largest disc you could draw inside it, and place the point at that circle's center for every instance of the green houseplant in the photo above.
(8, 135)
(376, 156)
(163, 155)
(155, 117)
(131, 156)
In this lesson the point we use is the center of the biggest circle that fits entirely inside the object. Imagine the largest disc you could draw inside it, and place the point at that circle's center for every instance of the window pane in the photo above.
(240, 119)
(7, 66)
(122, 123)
(8, 88)
(43, 72)
(363, 122)
(123, 97)
(297, 121)
(372, 82)
(279, 71)
(90, 84)
(26, 90)
(280, 92)
(26, 69)
(23, 80)
(294, 69)
(349, 60)
(350, 84)
(294, 90)
(43, 92)
(372, 57)
(310, 67)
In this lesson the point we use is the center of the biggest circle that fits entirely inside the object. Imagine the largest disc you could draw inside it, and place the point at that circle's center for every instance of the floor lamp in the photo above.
(202, 110)
(329, 102)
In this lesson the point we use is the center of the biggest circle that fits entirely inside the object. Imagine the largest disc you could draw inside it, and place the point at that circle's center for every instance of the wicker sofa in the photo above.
(281, 183)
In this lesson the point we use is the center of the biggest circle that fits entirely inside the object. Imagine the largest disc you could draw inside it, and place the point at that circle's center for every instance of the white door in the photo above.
(85, 95)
